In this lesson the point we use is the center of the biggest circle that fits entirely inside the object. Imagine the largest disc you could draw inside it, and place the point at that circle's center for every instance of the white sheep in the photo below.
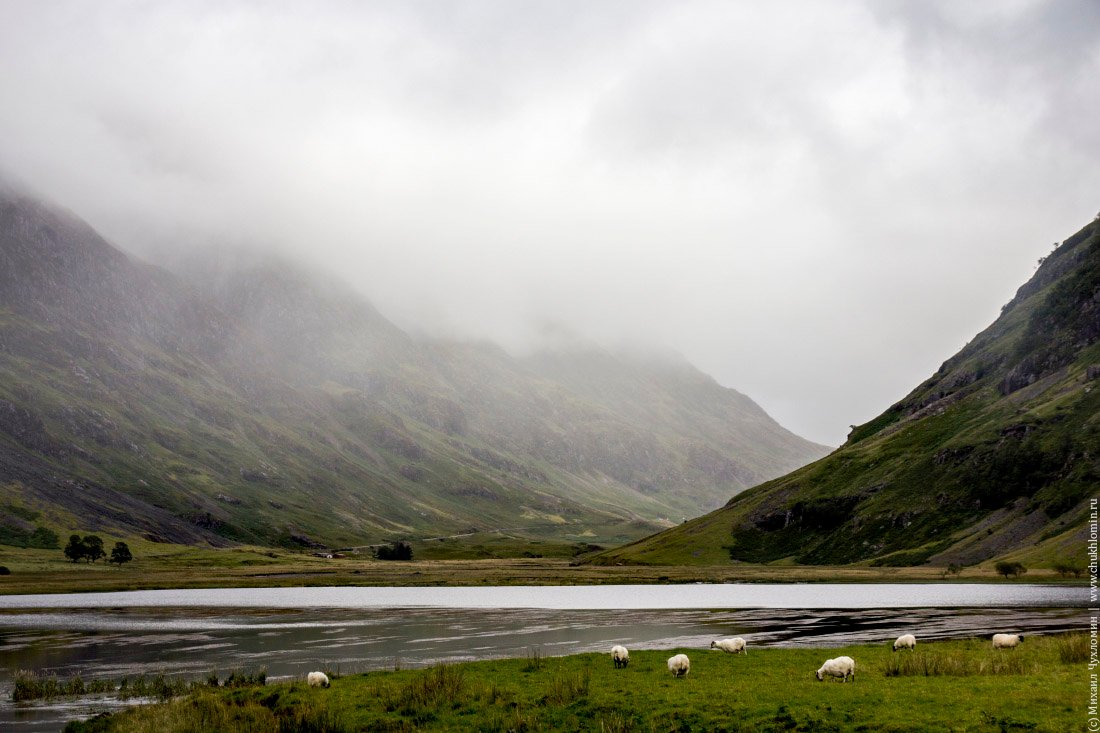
(679, 665)
(1006, 641)
(317, 679)
(620, 656)
(733, 646)
(905, 641)
(842, 667)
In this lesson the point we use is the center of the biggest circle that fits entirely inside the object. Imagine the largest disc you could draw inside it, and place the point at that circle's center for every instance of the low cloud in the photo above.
(817, 204)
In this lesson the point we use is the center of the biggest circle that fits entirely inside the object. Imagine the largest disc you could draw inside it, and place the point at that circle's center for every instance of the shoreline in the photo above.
(176, 572)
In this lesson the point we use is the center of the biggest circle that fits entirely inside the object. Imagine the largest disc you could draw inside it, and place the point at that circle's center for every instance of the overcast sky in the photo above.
(816, 203)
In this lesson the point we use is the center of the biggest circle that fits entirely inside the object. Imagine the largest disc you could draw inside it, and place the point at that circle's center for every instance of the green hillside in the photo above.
(241, 399)
(996, 454)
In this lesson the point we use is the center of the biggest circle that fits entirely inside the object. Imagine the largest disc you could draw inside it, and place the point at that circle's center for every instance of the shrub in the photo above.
(1073, 648)
(240, 678)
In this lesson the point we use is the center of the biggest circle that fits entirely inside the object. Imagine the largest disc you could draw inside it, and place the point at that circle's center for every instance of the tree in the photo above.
(1006, 569)
(75, 550)
(120, 554)
(395, 551)
(93, 548)
(43, 538)
(1066, 568)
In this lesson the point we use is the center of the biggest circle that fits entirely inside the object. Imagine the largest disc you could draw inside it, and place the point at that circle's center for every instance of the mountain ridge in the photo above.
(265, 404)
(994, 455)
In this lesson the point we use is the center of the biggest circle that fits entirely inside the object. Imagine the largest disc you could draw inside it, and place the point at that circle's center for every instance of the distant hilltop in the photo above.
(242, 399)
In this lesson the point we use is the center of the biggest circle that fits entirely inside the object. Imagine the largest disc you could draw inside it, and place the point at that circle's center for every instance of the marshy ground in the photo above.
(944, 686)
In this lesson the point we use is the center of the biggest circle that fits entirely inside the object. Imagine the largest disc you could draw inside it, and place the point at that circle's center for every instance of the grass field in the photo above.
(944, 686)
(173, 566)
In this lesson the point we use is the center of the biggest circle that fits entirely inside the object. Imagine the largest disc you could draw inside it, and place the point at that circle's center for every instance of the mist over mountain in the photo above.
(996, 454)
(228, 397)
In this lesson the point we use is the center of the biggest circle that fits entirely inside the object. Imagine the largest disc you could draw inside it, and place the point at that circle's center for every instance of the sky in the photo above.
(816, 203)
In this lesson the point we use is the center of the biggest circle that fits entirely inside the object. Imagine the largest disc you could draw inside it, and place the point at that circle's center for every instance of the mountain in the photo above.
(236, 398)
(996, 454)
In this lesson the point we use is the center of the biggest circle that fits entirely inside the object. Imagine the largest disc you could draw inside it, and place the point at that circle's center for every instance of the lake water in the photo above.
(291, 631)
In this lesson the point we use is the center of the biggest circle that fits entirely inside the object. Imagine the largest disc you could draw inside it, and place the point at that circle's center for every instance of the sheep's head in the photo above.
(714, 645)
(820, 676)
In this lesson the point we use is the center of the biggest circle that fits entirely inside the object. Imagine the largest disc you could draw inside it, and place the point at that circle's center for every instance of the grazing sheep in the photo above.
(905, 641)
(733, 646)
(679, 665)
(620, 656)
(1006, 641)
(317, 679)
(842, 667)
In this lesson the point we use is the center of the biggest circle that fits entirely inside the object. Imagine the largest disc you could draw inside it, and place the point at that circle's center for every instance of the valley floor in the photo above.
(943, 686)
(45, 571)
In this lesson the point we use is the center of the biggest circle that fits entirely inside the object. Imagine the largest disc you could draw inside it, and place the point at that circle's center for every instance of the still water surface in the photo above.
(291, 631)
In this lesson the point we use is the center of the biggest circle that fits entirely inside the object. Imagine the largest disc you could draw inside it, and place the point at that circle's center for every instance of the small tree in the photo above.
(76, 549)
(1066, 568)
(93, 547)
(1006, 569)
(120, 554)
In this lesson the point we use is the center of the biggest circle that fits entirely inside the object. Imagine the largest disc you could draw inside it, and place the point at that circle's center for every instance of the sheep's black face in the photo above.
(820, 677)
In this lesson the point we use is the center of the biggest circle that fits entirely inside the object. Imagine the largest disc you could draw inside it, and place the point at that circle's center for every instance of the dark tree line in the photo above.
(395, 551)
(90, 548)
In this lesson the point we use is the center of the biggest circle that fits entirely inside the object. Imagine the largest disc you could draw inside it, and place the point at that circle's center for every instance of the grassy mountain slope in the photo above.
(996, 454)
(249, 401)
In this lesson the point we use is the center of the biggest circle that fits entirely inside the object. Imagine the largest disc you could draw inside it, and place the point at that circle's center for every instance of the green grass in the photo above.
(968, 687)
(32, 686)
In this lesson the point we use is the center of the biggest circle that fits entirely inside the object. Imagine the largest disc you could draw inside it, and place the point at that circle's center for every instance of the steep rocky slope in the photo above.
(995, 454)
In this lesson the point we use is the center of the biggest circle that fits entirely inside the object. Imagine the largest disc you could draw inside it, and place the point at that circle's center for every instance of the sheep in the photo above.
(842, 667)
(317, 679)
(679, 665)
(905, 641)
(620, 656)
(1006, 641)
(733, 646)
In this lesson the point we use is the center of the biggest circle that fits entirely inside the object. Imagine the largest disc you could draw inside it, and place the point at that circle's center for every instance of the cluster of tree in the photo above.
(1065, 568)
(90, 548)
(42, 538)
(1005, 568)
(395, 551)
